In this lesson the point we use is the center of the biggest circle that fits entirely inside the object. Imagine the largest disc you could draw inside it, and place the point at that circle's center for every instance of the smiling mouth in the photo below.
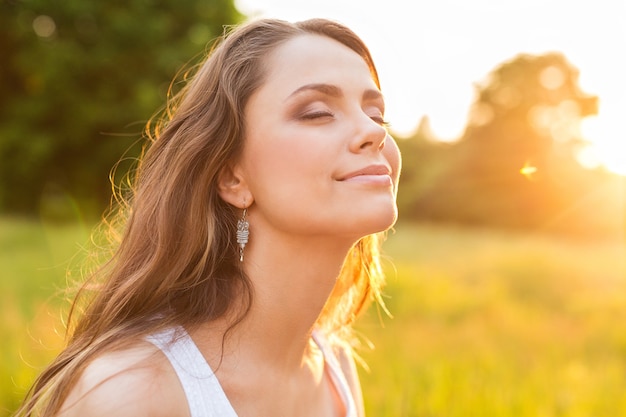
(375, 180)
(370, 173)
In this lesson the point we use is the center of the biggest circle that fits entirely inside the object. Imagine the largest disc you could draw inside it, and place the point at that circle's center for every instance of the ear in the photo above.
(233, 188)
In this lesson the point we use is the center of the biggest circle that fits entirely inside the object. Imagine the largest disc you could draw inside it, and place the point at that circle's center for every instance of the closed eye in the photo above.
(316, 115)
(380, 120)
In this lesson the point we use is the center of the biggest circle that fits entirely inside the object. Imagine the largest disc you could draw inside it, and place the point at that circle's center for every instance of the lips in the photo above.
(377, 170)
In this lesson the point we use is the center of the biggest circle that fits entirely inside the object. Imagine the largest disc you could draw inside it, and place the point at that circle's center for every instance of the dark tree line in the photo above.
(79, 80)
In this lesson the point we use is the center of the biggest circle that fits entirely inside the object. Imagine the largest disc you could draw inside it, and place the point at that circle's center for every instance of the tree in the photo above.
(424, 160)
(80, 78)
(515, 164)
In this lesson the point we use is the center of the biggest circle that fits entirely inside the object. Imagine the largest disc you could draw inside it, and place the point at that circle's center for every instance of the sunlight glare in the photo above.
(607, 146)
(528, 170)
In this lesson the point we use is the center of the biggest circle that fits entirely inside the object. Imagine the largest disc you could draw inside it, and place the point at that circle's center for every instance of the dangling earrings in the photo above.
(242, 233)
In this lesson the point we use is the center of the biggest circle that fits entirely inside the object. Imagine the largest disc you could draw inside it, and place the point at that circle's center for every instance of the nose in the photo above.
(369, 135)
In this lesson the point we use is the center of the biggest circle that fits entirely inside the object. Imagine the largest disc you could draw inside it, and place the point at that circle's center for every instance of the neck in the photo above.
(292, 280)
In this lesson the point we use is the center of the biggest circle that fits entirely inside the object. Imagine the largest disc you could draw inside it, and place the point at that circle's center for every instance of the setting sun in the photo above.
(607, 145)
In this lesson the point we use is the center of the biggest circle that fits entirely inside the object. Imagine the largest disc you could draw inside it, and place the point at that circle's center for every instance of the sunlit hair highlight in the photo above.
(174, 261)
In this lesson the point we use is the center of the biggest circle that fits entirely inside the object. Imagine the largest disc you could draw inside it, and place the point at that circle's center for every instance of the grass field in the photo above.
(499, 324)
(34, 260)
(485, 323)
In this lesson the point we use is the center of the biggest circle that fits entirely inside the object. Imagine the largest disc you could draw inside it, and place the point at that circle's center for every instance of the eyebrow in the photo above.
(334, 91)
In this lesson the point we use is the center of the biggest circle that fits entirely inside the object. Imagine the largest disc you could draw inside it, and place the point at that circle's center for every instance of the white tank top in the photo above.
(204, 393)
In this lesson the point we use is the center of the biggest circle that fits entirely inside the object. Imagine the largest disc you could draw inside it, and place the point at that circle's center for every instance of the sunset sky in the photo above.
(430, 53)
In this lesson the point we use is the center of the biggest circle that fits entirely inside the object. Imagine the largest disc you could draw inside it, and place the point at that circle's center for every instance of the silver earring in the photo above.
(242, 233)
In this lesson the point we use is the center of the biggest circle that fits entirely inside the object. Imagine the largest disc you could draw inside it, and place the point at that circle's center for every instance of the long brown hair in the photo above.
(176, 262)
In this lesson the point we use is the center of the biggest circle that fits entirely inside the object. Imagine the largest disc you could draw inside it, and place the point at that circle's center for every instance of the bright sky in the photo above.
(429, 54)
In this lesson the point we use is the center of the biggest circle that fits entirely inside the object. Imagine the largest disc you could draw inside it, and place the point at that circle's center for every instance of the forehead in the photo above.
(313, 58)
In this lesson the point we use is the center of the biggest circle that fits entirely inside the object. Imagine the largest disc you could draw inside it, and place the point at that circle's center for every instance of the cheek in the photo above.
(277, 161)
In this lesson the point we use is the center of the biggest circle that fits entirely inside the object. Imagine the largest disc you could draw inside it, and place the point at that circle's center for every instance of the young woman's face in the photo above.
(317, 157)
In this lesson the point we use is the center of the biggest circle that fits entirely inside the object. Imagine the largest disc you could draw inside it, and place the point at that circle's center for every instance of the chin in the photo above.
(389, 222)
(382, 221)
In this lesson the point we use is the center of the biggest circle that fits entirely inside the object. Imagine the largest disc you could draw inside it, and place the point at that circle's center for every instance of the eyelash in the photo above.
(319, 114)
(381, 121)
(316, 115)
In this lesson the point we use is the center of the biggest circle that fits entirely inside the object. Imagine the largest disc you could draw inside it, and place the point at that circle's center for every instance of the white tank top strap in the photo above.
(337, 374)
(204, 393)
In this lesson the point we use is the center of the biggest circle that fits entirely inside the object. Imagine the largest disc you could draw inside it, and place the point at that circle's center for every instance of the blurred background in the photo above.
(507, 270)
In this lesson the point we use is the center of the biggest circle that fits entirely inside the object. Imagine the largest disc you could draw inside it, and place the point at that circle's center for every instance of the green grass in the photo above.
(499, 324)
(34, 260)
(485, 323)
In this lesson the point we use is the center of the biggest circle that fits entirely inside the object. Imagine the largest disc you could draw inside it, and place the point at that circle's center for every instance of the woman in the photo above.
(251, 241)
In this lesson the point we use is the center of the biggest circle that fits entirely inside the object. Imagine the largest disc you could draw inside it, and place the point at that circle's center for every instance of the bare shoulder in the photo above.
(137, 381)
